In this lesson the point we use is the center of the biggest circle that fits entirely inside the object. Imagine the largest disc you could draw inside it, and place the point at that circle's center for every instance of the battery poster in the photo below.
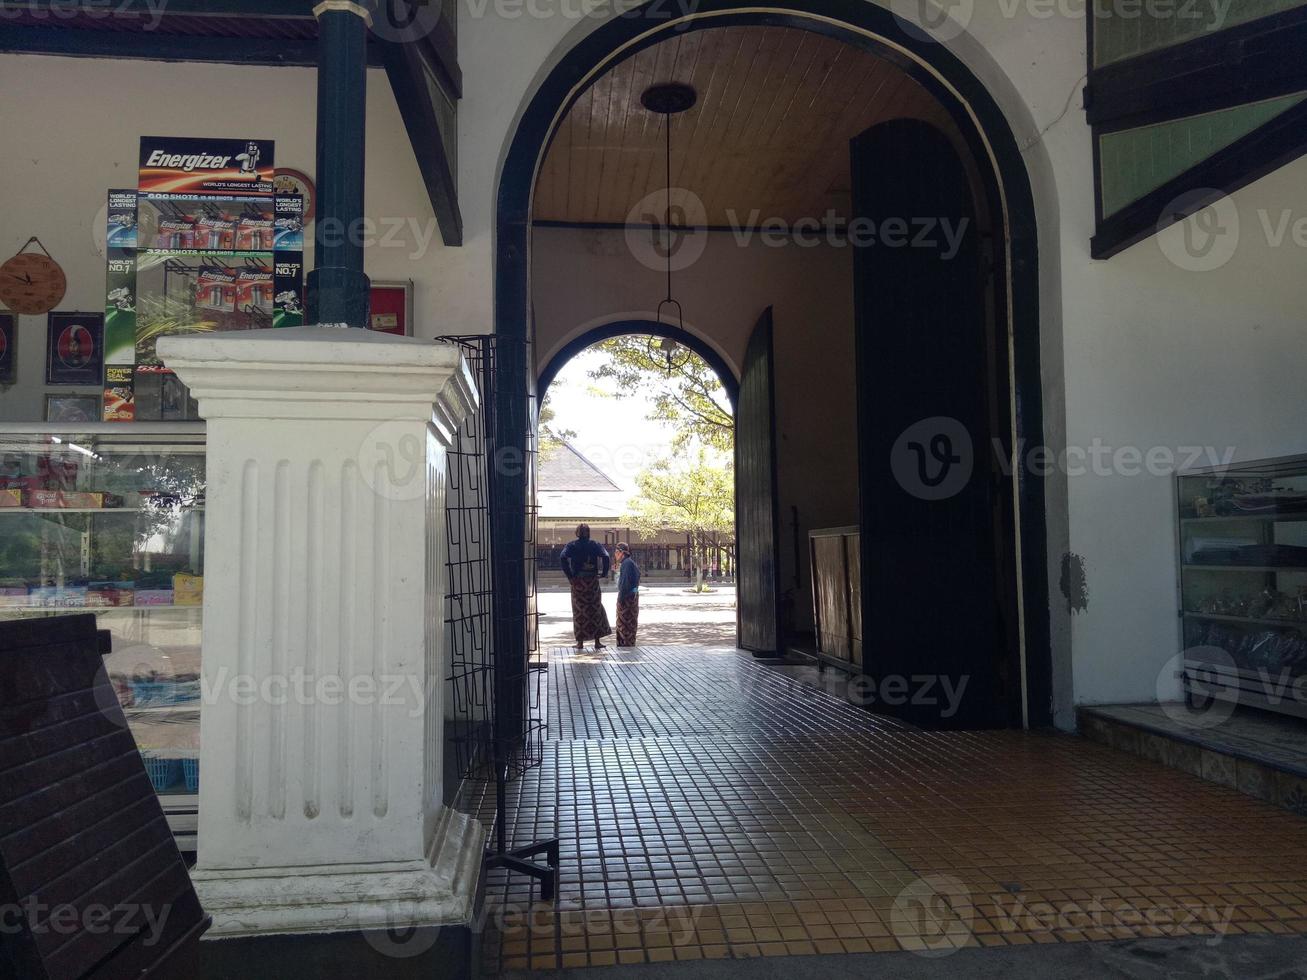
(202, 244)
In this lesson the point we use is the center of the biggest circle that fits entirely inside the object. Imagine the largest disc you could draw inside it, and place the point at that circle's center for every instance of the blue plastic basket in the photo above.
(155, 693)
(163, 772)
(191, 773)
(152, 692)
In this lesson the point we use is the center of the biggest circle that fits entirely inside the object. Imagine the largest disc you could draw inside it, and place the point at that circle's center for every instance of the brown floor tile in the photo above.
(707, 808)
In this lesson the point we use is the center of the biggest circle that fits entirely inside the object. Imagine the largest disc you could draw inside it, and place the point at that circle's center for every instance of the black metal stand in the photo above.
(495, 681)
(517, 859)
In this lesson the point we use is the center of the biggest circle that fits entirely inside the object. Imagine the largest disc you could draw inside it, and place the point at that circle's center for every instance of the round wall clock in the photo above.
(32, 282)
(288, 181)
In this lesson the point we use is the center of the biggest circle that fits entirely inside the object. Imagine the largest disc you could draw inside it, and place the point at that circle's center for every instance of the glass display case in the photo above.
(109, 518)
(1243, 582)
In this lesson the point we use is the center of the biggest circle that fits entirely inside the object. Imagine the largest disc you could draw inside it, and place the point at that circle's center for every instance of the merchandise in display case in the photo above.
(110, 519)
(1243, 582)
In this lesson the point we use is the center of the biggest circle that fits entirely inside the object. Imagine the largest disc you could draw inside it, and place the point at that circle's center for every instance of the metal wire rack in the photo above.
(496, 723)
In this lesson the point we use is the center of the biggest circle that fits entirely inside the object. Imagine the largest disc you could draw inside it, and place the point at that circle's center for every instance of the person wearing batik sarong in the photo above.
(628, 596)
(584, 563)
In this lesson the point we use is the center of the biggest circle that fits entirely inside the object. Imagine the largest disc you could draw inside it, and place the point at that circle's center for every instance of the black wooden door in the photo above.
(932, 629)
(758, 603)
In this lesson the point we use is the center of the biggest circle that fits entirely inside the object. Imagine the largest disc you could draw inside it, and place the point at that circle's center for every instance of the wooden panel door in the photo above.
(756, 521)
(930, 606)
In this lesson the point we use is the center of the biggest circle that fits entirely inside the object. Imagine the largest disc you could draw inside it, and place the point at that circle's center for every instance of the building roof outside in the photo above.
(563, 468)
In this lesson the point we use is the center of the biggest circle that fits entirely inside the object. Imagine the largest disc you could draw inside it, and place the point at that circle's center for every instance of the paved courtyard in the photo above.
(669, 616)
(710, 807)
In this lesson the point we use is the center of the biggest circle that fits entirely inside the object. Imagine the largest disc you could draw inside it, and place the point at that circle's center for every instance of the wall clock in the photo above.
(32, 282)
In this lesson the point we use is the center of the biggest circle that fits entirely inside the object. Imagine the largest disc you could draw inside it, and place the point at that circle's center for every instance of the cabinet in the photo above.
(1243, 582)
(109, 518)
(835, 559)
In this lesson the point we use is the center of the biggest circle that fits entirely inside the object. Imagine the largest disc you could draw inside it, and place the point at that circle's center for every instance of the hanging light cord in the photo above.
(667, 133)
(667, 226)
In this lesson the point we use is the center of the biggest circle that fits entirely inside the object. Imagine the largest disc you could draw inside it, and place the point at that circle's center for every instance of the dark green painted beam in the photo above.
(154, 46)
(406, 68)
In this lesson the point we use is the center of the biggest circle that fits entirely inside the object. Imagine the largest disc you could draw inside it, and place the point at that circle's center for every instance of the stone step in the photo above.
(1260, 754)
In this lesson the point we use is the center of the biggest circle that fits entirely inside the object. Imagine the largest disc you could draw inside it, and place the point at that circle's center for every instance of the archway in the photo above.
(643, 328)
(1007, 191)
(636, 441)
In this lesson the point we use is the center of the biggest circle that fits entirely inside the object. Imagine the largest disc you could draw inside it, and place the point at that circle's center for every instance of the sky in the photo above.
(613, 433)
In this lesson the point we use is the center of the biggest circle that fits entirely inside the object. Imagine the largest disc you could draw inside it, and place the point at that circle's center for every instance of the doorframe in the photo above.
(1008, 188)
(640, 328)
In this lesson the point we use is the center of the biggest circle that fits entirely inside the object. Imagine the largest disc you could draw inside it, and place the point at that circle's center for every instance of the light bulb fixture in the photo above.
(669, 99)
(668, 347)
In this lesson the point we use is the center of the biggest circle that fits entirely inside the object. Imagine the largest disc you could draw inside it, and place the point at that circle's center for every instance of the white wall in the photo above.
(71, 131)
(583, 278)
(1135, 351)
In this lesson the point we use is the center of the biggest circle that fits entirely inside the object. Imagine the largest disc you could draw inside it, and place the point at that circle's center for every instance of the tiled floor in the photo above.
(710, 807)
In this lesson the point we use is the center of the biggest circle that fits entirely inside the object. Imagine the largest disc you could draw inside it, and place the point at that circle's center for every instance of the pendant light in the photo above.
(669, 99)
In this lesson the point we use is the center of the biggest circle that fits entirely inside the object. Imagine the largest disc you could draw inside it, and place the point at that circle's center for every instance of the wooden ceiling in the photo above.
(776, 110)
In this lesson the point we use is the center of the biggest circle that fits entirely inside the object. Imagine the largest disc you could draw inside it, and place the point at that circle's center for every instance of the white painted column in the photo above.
(323, 660)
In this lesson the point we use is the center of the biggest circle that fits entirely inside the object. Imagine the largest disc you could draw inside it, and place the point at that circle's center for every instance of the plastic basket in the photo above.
(191, 773)
(152, 692)
(163, 772)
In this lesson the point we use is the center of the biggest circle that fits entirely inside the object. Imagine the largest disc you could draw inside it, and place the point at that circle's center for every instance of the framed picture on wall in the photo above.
(69, 406)
(392, 308)
(8, 348)
(74, 351)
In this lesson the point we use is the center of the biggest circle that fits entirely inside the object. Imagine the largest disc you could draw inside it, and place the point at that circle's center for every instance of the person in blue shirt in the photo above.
(628, 596)
(585, 562)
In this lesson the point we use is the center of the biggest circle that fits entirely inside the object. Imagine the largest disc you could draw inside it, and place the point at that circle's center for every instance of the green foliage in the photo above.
(689, 396)
(551, 437)
(695, 498)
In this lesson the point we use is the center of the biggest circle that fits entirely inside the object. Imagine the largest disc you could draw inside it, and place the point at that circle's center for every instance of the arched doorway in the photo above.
(644, 328)
(1006, 194)
(635, 439)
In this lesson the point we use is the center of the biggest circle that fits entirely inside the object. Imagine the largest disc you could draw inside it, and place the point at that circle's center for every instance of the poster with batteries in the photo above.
(211, 248)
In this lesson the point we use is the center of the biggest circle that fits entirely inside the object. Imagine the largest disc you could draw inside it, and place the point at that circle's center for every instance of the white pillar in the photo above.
(323, 662)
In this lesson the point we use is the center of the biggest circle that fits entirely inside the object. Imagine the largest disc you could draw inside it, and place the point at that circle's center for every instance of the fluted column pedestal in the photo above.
(323, 660)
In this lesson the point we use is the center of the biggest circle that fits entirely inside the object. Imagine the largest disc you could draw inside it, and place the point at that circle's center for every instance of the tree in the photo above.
(689, 395)
(551, 437)
(697, 499)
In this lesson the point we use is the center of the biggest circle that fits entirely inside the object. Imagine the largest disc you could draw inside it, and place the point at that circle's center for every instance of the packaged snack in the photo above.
(188, 590)
(13, 596)
(110, 594)
(153, 597)
(72, 499)
(58, 596)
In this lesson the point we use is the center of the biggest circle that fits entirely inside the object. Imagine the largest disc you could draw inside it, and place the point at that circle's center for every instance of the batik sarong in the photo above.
(628, 618)
(589, 618)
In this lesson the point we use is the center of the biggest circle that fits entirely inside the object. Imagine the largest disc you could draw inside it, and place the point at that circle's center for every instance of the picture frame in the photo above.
(74, 350)
(8, 348)
(72, 407)
(391, 308)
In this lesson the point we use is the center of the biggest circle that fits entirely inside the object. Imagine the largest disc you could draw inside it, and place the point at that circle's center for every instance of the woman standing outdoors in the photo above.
(584, 562)
(628, 596)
